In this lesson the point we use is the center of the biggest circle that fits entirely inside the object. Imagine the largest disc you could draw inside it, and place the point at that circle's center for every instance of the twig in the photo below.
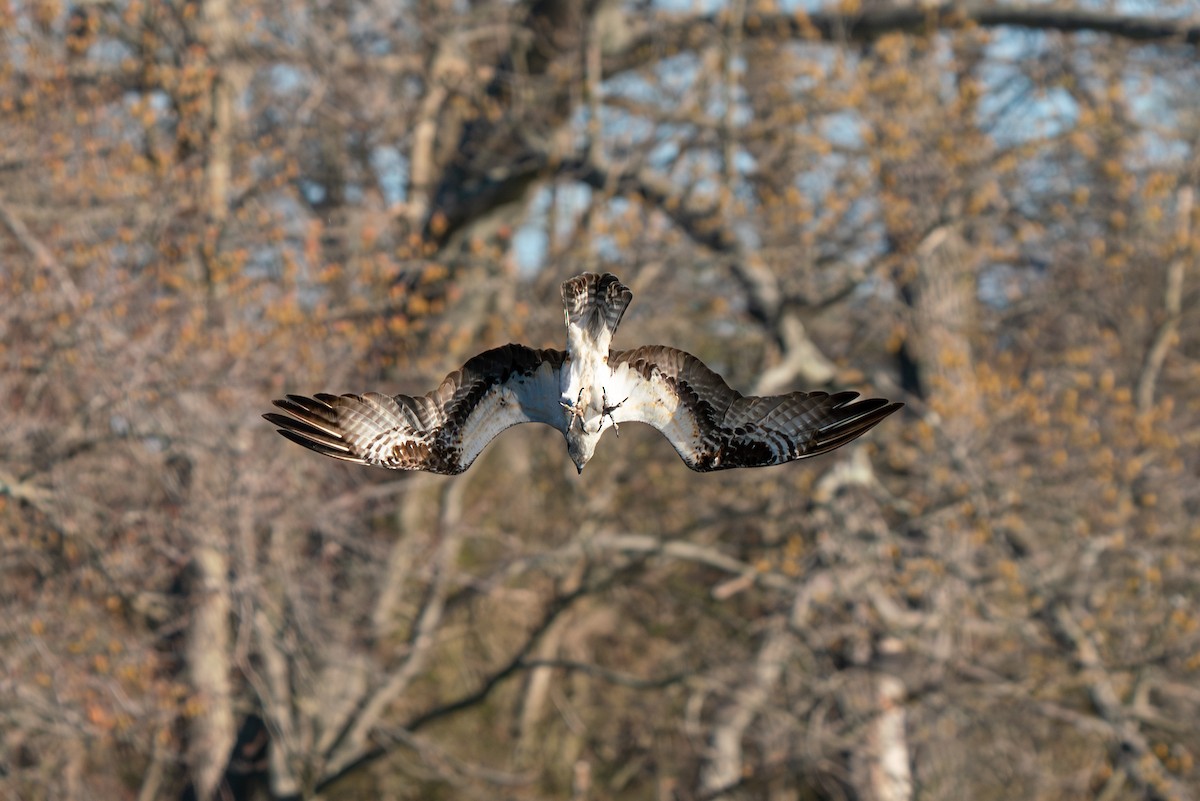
(724, 766)
(40, 253)
(1172, 304)
(1135, 755)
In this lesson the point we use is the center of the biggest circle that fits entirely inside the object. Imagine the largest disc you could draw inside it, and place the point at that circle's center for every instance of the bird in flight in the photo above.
(583, 392)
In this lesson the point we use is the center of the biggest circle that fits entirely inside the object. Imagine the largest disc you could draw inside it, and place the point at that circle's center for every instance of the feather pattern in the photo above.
(594, 305)
(714, 427)
(582, 392)
(442, 432)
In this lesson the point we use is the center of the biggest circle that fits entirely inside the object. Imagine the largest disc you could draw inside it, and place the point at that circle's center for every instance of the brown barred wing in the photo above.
(714, 427)
(441, 432)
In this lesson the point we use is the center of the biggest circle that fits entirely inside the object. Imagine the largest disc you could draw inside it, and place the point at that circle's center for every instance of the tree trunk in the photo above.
(211, 728)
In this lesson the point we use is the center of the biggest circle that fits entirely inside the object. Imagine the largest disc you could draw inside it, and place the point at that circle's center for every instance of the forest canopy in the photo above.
(985, 210)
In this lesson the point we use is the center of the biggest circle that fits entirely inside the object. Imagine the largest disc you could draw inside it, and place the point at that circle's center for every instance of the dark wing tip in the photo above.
(320, 447)
(849, 420)
(309, 422)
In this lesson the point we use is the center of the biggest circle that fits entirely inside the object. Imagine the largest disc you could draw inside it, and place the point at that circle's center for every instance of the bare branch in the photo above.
(470, 699)
(708, 226)
(1136, 755)
(1172, 304)
(723, 768)
(40, 253)
(213, 730)
(610, 676)
(349, 744)
(448, 66)
(676, 35)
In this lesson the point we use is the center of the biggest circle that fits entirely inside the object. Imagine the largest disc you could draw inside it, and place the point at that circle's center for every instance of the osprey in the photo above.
(582, 392)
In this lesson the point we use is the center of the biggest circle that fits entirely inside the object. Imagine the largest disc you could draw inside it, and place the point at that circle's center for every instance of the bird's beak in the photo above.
(579, 469)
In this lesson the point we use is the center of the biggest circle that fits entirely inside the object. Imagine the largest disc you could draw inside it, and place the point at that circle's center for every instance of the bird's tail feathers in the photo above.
(595, 305)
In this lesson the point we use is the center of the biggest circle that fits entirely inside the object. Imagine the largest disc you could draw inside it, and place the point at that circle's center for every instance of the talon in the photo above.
(608, 410)
(576, 412)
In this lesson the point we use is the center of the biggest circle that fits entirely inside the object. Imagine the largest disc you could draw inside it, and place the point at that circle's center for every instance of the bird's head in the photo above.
(581, 446)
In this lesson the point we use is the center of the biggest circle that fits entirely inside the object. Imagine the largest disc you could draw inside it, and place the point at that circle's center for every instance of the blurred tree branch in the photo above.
(1166, 334)
(1134, 752)
(674, 35)
(40, 253)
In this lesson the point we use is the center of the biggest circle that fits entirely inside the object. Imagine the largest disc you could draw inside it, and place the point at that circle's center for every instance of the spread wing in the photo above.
(441, 432)
(714, 427)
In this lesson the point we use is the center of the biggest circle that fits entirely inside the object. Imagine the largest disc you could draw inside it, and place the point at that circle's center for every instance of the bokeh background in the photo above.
(986, 210)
